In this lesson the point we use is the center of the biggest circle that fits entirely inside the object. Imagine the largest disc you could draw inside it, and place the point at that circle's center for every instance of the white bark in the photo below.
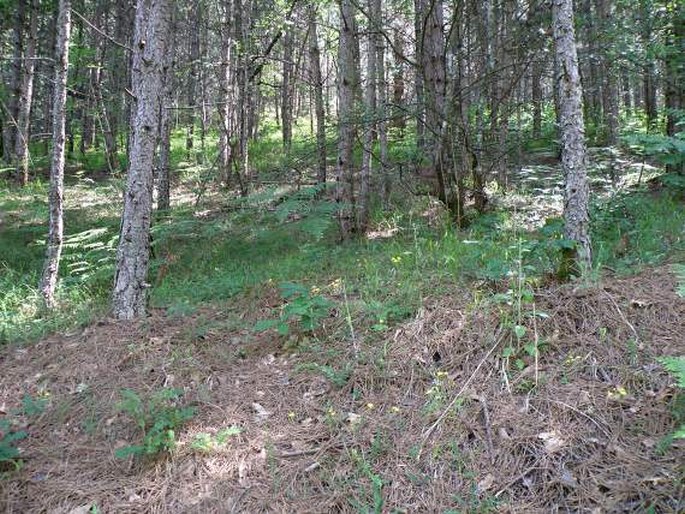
(54, 250)
(130, 282)
(21, 148)
(572, 132)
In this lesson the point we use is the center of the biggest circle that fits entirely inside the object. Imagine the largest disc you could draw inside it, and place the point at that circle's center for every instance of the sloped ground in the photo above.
(428, 417)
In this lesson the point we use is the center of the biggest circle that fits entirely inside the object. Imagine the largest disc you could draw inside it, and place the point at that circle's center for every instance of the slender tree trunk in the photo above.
(130, 283)
(21, 147)
(419, 86)
(536, 93)
(434, 76)
(287, 89)
(572, 132)
(381, 92)
(610, 100)
(165, 122)
(317, 85)
(348, 92)
(9, 133)
(54, 246)
(196, 17)
(225, 97)
(369, 130)
(399, 117)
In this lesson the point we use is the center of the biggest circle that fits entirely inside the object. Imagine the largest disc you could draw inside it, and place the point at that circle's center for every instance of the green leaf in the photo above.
(520, 331)
(266, 324)
(282, 328)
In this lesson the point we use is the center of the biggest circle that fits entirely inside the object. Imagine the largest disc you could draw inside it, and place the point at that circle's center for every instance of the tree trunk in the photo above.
(348, 87)
(572, 135)
(9, 132)
(432, 63)
(419, 86)
(317, 85)
(381, 92)
(287, 89)
(610, 100)
(22, 137)
(54, 246)
(536, 93)
(369, 128)
(165, 122)
(130, 283)
(224, 106)
(194, 51)
(399, 117)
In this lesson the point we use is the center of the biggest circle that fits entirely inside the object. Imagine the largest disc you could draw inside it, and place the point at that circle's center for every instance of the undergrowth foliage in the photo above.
(303, 309)
(157, 417)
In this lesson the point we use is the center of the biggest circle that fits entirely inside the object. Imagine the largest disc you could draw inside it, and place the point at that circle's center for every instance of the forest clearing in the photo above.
(312, 257)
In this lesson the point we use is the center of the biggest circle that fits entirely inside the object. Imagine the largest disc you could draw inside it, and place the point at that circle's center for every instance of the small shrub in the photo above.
(9, 453)
(303, 309)
(676, 366)
(157, 417)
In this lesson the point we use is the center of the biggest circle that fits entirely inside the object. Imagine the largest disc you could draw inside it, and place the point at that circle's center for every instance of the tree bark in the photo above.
(130, 283)
(225, 97)
(165, 122)
(572, 132)
(54, 246)
(287, 89)
(348, 93)
(369, 129)
(317, 85)
(22, 137)
(9, 132)
(381, 93)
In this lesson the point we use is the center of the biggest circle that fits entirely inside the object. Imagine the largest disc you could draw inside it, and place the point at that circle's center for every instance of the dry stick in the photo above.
(620, 312)
(488, 429)
(577, 411)
(427, 433)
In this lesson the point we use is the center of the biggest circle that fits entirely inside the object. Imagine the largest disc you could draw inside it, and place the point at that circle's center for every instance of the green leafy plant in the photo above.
(9, 453)
(205, 442)
(676, 366)
(302, 308)
(157, 417)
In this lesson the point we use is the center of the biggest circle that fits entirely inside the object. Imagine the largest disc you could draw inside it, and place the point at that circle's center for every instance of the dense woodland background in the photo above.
(435, 248)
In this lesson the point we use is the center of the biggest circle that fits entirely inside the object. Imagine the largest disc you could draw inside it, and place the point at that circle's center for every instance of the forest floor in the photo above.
(504, 393)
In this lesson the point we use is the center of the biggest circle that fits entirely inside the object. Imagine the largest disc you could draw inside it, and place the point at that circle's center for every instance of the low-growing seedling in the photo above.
(676, 366)
(303, 309)
(207, 442)
(157, 417)
(9, 453)
(338, 377)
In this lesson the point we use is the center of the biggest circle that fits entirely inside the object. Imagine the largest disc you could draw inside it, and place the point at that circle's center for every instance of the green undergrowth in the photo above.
(236, 248)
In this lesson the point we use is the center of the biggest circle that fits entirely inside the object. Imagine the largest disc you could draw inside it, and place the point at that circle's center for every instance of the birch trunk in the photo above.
(572, 135)
(21, 146)
(54, 247)
(130, 282)
(9, 132)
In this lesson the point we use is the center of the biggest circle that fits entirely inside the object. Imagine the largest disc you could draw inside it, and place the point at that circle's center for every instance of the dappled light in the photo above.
(347, 257)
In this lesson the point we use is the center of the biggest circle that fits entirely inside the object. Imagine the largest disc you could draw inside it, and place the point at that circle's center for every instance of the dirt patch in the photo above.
(427, 417)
